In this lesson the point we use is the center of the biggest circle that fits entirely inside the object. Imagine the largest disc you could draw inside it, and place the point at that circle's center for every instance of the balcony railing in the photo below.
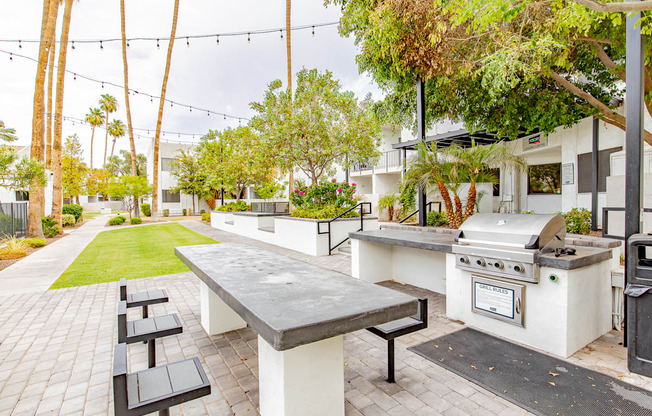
(388, 160)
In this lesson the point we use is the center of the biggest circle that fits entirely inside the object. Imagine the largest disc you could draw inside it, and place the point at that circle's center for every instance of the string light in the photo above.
(217, 38)
(11, 56)
(157, 45)
(73, 45)
(313, 31)
(281, 33)
(249, 37)
(20, 46)
(187, 42)
(75, 77)
(127, 44)
(101, 46)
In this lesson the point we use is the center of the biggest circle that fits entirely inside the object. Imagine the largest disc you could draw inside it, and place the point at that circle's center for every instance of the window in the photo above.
(585, 168)
(544, 179)
(22, 196)
(169, 196)
(166, 165)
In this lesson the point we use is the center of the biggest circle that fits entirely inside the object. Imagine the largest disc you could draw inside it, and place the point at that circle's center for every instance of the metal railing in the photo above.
(388, 160)
(271, 207)
(429, 208)
(361, 206)
(605, 221)
(13, 219)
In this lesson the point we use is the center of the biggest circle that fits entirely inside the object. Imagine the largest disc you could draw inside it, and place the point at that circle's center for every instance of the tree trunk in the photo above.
(48, 140)
(57, 195)
(458, 212)
(470, 201)
(34, 227)
(288, 48)
(193, 204)
(160, 113)
(106, 137)
(92, 137)
(113, 147)
(450, 212)
(132, 143)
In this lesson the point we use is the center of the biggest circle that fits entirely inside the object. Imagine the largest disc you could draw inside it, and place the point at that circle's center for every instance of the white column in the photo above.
(306, 380)
(371, 262)
(216, 316)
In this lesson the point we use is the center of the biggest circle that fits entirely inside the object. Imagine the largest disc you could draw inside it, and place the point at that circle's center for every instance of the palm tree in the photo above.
(50, 10)
(132, 143)
(288, 47)
(109, 104)
(94, 118)
(160, 113)
(57, 178)
(476, 160)
(116, 130)
(50, 112)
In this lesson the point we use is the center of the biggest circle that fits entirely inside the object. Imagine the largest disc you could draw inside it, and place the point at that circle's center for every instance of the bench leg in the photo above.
(164, 412)
(301, 381)
(390, 361)
(151, 353)
(145, 313)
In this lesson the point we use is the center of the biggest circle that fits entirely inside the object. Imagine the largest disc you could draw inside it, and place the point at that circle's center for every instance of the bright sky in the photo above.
(224, 78)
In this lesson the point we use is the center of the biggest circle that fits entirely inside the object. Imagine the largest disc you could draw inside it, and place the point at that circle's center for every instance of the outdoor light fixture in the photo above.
(187, 42)
(101, 46)
(281, 33)
(217, 38)
(19, 45)
(73, 44)
(157, 45)
(249, 37)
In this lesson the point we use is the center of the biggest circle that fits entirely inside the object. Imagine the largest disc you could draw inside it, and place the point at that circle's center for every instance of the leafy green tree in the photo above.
(25, 174)
(499, 65)
(317, 127)
(189, 175)
(120, 165)
(127, 187)
(234, 159)
(72, 167)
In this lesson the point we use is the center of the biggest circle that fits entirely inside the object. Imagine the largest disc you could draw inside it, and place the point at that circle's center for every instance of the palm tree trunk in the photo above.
(113, 147)
(57, 196)
(92, 137)
(34, 227)
(106, 137)
(160, 113)
(48, 140)
(450, 212)
(132, 143)
(458, 212)
(470, 201)
(288, 47)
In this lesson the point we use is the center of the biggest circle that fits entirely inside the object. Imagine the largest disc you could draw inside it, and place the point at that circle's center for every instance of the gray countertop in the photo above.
(584, 256)
(289, 302)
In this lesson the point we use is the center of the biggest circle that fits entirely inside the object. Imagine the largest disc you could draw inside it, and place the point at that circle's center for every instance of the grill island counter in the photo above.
(500, 274)
(300, 312)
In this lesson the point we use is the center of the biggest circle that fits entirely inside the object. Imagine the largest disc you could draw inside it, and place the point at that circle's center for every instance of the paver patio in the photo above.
(56, 354)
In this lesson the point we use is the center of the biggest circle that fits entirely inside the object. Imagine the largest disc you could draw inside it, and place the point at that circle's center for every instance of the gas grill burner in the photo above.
(509, 245)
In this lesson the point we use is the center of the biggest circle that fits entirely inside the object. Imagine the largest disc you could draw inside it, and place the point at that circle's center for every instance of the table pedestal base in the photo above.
(305, 380)
(216, 316)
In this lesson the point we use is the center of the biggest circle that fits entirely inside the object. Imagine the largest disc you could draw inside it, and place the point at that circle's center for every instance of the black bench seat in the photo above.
(147, 330)
(143, 299)
(158, 388)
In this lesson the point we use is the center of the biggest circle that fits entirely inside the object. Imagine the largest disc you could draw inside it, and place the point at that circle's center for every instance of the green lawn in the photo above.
(132, 253)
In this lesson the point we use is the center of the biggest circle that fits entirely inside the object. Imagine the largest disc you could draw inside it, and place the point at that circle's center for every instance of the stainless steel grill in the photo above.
(508, 245)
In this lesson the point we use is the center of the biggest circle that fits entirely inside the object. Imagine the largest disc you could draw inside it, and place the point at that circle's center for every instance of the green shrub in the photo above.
(146, 209)
(5, 224)
(206, 216)
(184, 212)
(328, 211)
(235, 207)
(203, 211)
(49, 225)
(135, 221)
(578, 221)
(73, 209)
(166, 212)
(35, 242)
(68, 220)
(119, 220)
(436, 219)
(528, 211)
(407, 198)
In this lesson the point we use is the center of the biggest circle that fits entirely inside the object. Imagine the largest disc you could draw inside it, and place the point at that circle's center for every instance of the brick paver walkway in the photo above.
(56, 355)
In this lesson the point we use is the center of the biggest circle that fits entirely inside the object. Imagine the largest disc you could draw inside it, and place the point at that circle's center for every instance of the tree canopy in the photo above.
(499, 65)
(189, 175)
(317, 127)
(72, 167)
(120, 165)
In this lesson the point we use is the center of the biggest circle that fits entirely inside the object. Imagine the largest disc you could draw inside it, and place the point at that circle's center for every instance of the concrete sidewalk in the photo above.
(39, 270)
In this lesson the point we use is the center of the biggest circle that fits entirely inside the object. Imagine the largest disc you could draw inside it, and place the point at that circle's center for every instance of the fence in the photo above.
(13, 219)
(388, 160)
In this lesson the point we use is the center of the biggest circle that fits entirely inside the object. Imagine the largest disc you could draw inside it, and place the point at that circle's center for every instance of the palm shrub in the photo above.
(388, 203)
(75, 210)
(13, 248)
(68, 220)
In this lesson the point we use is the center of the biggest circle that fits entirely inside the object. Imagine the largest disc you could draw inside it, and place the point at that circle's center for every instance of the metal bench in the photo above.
(394, 329)
(155, 389)
(143, 299)
(147, 330)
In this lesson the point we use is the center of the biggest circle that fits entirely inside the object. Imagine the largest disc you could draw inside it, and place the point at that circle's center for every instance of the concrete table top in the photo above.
(289, 302)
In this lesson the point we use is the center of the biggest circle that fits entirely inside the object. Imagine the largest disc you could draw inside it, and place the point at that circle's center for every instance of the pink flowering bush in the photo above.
(326, 200)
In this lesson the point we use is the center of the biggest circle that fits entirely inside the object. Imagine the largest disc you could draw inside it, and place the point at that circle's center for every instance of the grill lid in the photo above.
(529, 231)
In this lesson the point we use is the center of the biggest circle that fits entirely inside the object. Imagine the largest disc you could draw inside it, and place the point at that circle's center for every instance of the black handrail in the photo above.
(605, 221)
(363, 212)
(428, 205)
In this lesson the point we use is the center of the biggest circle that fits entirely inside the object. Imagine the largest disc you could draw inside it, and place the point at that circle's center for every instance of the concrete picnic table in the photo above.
(300, 312)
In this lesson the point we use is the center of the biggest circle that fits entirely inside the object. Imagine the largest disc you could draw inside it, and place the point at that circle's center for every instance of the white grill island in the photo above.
(300, 312)
(564, 305)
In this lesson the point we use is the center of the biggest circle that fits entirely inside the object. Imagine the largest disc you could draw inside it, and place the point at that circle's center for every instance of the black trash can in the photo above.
(639, 305)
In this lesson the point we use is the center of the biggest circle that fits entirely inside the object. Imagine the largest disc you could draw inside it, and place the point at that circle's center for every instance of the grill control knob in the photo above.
(498, 264)
(481, 262)
(519, 268)
(464, 260)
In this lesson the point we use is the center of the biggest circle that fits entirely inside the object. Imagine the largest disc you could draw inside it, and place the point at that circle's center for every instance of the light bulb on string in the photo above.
(102, 84)
(158, 46)
(101, 46)
(127, 44)
(19, 45)
(208, 113)
(217, 39)
(11, 56)
(151, 99)
(281, 30)
(224, 116)
(313, 31)
(170, 104)
(75, 77)
(191, 109)
(187, 42)
(249, 37)
(73, 45)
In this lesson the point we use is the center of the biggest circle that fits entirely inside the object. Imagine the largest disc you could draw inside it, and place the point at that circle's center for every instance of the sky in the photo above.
(222, 78)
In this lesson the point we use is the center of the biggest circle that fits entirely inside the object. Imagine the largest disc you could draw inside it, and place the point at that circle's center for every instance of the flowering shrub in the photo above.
(326, 200)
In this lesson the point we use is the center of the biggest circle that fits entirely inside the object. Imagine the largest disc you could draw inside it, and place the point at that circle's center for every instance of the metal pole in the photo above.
(347, 167)
(421, 133)
(633, 135)
(595, 165)
(13, 221)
